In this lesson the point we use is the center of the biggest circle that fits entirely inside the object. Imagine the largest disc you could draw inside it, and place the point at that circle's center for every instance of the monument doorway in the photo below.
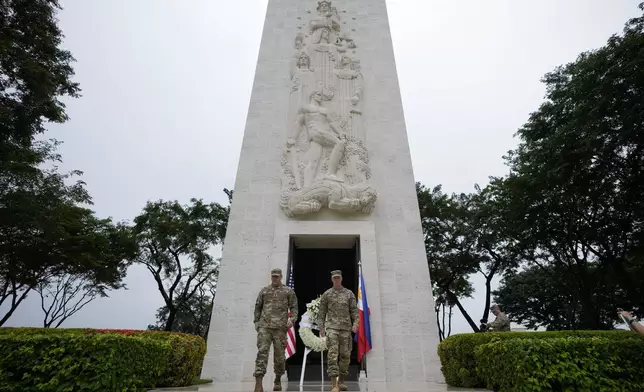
(311, 260)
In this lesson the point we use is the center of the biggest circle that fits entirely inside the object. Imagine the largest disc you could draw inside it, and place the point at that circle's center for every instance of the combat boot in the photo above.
(258, 384)
(278, 383)
(334, 385)
(341, 385)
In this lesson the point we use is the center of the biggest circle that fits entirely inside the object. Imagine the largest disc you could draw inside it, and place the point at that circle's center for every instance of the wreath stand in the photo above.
(307, 351)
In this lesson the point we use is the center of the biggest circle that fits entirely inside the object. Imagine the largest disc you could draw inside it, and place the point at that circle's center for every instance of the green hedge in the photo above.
(77, 362)
(458, 358)
(562, 364)
(182, 363)
(186, 357)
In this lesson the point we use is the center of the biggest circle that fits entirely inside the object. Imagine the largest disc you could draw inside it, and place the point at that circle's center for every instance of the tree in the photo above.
(65, 294)
(47, 233)
(193, 316)
(464, 235)
(173, 242)
(575, 192)
(444, 306)
(43, 226)
(448, 248)
(495, 249)
(546, 298)
(34, 73)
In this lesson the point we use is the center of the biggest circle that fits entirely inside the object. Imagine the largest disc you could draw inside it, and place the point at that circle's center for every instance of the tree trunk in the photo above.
(460, 307)
(443, 327)
(488, 293)
(172, 313)
(14, 305)
(438, 324)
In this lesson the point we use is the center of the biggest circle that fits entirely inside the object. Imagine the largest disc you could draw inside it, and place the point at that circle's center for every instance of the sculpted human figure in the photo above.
(303, 65)
(327, 166)
(327, 18)
(303, 78)
(322, 132)
(333, 194)
(272, 307)
(337, 318)
(299, 41)
(348, 84)
(299, 48)
(323, 55)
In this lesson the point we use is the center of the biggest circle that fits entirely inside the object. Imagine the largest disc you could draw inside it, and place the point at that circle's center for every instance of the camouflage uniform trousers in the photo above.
(266, 337)
(339, 344)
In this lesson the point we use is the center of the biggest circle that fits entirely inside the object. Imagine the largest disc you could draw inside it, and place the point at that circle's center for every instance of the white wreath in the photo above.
(307, 324)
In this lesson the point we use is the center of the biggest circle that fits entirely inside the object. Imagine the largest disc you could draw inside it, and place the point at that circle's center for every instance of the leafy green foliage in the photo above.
(566, 226)
(173, 242)
(459, 360)
(34, 74)
(448, 250)
(542, 296)
(75, 362)
(186, 358)
(193, 316)
(47, 232)
(569, 363)
(574, 197)
(182, 359)
(186, 354)
(464, 235)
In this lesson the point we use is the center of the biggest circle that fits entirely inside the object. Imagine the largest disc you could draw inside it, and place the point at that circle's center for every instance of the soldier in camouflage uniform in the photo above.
(273, 304)
(501, 323)
(337, 318)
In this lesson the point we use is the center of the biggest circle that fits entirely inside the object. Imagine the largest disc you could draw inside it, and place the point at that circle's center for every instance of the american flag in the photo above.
(290, 334)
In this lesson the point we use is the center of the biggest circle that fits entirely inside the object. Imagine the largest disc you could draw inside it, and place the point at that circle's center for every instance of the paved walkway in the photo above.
(317, 386)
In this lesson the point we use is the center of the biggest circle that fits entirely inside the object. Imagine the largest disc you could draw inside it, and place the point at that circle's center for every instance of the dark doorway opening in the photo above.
(311, 261)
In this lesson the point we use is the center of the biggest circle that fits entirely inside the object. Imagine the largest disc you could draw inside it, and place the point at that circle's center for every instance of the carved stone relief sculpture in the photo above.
(325, 162)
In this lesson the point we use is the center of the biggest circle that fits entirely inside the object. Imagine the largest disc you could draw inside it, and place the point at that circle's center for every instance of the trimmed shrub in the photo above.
(593, 364)
(186, 357)
(457, 353)
(183, 362)
(80, 362)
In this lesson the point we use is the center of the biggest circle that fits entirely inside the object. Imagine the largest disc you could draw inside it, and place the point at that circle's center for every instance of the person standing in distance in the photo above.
(273, 304)
(337, 318)
(501, 323)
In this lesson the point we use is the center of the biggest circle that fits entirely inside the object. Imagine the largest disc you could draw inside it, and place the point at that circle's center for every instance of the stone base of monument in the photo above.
(313, 372)
(317, 386)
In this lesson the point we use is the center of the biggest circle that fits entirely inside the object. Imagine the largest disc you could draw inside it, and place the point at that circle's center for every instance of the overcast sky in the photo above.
(166, 86)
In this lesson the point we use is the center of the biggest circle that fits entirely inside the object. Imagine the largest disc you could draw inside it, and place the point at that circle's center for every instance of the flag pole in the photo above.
(364, 357)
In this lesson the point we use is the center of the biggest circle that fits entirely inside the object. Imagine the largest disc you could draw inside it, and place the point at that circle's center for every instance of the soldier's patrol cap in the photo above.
(336, 273)
(276, 272)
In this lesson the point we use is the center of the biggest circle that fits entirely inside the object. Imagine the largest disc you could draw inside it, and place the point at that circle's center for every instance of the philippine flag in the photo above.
(364, 329)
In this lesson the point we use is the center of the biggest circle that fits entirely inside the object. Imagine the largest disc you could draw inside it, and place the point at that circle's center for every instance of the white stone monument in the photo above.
(325, 155)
